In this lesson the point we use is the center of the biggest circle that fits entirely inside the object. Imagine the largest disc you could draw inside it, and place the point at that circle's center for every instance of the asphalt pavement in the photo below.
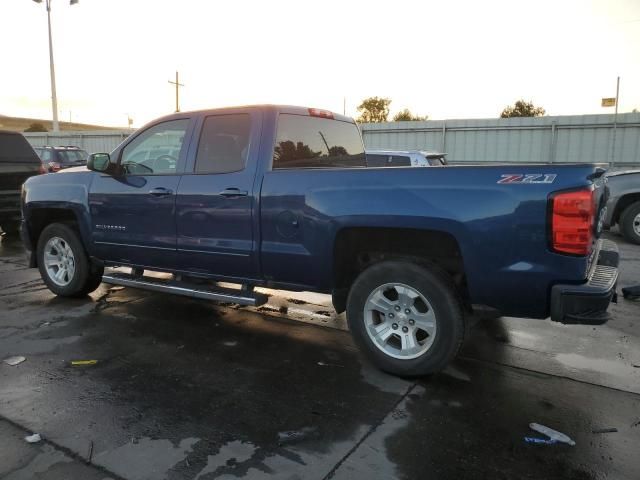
(186, 389)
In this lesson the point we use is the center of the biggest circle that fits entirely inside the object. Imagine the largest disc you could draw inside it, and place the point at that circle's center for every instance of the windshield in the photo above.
(72, 156)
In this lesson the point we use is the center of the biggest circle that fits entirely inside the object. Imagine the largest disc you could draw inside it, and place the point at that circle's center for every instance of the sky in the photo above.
(445, 59)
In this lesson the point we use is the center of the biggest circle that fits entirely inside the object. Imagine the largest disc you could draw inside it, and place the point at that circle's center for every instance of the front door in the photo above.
(216, 200)
(133, 212)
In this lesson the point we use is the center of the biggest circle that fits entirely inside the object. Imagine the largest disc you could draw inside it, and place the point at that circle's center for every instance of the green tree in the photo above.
(287, 152)
(374, 110)
(522, 108)
(406, 116)
(36, 127)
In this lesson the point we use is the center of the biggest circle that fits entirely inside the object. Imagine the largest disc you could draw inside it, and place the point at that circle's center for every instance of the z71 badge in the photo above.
(528, 178)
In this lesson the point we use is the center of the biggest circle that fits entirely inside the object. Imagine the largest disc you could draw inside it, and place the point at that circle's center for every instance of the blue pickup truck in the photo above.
(281, 197)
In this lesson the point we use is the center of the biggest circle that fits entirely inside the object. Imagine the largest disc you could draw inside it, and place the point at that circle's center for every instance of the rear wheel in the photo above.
(64, 264)
(407, 318)
(630, 223)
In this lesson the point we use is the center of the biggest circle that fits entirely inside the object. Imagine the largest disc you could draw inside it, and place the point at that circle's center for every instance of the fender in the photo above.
(60, 192)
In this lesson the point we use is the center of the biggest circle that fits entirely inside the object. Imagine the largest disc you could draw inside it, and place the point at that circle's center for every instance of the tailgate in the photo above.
(14, 174)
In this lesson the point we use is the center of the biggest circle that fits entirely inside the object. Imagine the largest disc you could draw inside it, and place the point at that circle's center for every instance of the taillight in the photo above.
(54, 166)
(316, 112)
(572, 216)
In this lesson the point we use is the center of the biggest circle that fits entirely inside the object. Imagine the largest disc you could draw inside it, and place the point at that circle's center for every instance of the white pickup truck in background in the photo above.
(405, 158)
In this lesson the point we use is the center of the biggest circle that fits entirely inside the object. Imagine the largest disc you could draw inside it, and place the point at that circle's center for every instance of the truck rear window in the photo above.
(312, 142)
(15, 148)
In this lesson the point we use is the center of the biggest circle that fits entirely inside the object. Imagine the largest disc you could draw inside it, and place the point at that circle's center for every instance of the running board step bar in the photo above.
(218, 294)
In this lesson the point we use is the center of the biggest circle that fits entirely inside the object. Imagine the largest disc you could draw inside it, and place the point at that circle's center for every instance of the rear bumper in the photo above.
(10, 205)
(587, 303)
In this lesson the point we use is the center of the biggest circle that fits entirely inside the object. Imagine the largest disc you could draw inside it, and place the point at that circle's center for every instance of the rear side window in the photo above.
(224, 143)
(15, 148)
(378, 160)
(312, 142)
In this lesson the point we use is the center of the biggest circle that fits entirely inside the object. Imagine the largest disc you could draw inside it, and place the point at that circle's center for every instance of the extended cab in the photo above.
(281, 197)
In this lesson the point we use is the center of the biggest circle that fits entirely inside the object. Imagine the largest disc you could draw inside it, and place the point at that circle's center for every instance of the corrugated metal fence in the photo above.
(91, 141)
(583, 138)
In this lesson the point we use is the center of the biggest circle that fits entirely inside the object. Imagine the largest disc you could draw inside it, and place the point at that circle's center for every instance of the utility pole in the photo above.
(615, 124)
(178, 85)
(54, 98)
(344, 105)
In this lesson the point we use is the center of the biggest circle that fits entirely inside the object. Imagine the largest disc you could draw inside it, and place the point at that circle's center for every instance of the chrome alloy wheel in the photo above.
(400, 321)
(59, 261)
(636, 224)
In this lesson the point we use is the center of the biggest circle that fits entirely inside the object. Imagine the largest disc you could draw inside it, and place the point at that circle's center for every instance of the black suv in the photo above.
(58, 158)
(18, 162)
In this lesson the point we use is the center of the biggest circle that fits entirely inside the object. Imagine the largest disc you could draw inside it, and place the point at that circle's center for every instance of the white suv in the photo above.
(405, 158)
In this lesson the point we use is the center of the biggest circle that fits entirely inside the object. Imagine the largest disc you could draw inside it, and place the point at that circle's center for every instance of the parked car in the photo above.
(623, 207)
(18, 162)
(58, 158)
(405, 158)
(281, 197)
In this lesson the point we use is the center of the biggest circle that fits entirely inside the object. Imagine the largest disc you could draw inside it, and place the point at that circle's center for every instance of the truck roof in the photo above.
(290, 109)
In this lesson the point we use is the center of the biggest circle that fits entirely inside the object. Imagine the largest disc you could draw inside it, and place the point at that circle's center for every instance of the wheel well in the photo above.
(41, 217)
(623, 203)
(357, 248)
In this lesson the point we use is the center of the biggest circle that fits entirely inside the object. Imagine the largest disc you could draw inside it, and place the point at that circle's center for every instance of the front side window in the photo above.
(224, 144)
(313, 142)
(156, 150)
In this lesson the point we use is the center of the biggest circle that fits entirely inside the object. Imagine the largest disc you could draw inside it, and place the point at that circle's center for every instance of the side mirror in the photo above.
(99, 162)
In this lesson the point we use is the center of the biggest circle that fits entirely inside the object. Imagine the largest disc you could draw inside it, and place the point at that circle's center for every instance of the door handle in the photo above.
(233, 192)
(160, 192)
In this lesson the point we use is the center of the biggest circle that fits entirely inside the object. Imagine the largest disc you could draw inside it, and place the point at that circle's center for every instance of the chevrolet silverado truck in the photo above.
(280, 197)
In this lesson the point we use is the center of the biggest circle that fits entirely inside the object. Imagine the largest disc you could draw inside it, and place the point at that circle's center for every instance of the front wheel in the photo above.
(64, 264)
(407, 318)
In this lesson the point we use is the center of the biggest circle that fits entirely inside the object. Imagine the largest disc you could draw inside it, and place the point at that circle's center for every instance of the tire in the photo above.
(630, 223)
(79, 277)
(10, 227)
(437, 299)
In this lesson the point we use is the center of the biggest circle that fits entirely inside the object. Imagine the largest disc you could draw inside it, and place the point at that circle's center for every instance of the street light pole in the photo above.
(615, 124)
(54, 97)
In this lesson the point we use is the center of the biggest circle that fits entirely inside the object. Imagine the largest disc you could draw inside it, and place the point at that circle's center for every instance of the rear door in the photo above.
(133, 212)
(216, 199)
